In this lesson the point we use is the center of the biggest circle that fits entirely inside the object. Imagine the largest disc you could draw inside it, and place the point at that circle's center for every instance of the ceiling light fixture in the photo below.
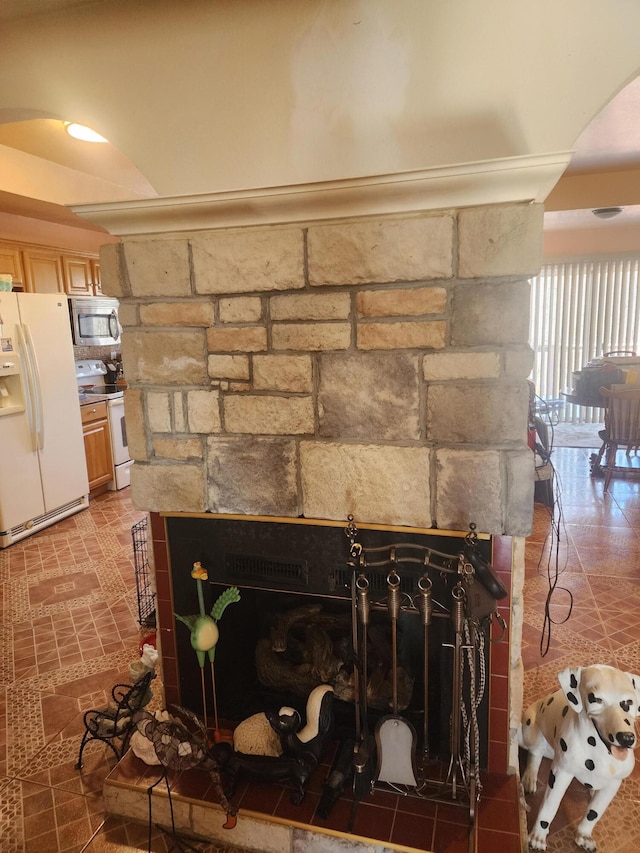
(79, 131)
(606, 212)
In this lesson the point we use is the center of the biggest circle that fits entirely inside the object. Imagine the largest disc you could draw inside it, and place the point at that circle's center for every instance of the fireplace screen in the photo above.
(298, 623)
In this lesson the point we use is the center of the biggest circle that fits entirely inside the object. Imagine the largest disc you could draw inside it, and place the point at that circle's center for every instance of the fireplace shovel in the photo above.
(395, 736)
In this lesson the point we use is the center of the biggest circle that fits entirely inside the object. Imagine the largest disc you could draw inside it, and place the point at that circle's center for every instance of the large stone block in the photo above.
(419, 334)
(159, 411)
(311, 336)
(310, 306)
(237, 339)
(292, 373)
(369, 396)
(490, 314)
(158, 267)
(228, 366)
(520, 488)
(177, 448)
(179, 417)
(167, 487)
(447, 366)
(518, 362)
(480, 413)
(255, 476)
(469, 489)
(248, 261)
(194, 312)
(240, 309)
(381, 251)
(203, 411)
(165, 357)
(112, 279)
(136, 434)
(128, 314)
(376, 484)
(268, 415)
(399, 302)
(501, 239)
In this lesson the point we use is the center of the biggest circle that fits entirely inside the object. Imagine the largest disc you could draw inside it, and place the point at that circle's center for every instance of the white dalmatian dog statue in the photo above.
(587, 730)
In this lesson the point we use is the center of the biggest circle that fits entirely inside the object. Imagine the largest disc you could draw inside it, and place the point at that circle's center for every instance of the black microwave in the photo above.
(94, 321)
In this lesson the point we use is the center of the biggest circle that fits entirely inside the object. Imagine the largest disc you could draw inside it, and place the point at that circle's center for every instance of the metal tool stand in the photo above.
(462, 783)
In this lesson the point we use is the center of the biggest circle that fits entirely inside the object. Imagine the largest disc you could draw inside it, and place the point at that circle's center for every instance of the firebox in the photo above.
(293, 627)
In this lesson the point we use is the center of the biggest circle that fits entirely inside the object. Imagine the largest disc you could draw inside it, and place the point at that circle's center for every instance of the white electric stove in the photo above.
(90, 377)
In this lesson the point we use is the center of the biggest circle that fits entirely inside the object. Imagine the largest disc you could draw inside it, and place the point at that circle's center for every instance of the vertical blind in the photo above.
(581, 310)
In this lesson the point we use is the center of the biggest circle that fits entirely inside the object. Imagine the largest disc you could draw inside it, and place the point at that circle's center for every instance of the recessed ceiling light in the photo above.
(79, 131)
(606, 212)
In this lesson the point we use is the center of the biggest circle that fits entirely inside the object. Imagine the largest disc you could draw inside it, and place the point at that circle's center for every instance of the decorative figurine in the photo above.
(301, 750)
(205, 634)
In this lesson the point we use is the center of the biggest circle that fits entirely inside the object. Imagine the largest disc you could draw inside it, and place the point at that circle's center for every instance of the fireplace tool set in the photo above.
(388, 759)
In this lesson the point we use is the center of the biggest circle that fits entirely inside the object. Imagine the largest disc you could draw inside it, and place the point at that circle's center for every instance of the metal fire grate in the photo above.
(146, 595)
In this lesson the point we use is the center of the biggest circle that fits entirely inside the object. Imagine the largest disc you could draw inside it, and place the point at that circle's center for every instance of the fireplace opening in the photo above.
(293, 626)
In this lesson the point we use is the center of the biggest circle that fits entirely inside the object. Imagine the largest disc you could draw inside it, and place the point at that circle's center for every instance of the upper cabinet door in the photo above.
(97, 281)
(78, 277)
(43, 271)
(11, 263)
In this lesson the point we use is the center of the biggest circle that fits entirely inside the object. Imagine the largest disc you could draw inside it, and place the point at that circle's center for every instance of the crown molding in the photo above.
(510, 179)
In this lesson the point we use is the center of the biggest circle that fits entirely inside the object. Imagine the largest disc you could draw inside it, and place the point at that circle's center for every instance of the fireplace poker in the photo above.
(425, 607)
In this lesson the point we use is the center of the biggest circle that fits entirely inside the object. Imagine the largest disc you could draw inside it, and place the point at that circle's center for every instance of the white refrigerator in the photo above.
(43, 469)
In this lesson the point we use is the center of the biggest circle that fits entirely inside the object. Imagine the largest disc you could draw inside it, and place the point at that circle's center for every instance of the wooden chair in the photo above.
(621, 430)
(114, 724)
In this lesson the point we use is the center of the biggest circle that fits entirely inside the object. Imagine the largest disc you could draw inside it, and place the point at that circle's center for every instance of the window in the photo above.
(581, 309)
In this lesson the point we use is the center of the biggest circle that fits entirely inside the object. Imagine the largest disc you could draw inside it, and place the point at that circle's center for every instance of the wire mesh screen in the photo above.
(146, 595)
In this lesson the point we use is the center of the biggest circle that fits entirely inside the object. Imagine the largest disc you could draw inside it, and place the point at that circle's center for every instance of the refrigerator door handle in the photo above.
(27, 385)
(35, 391)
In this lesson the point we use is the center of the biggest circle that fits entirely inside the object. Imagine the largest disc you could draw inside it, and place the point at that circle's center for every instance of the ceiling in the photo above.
(65, 171)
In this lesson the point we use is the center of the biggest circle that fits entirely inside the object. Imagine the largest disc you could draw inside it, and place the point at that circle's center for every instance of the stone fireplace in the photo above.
(372, 365)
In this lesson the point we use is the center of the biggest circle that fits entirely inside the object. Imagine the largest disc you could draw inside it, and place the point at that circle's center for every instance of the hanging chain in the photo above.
(474, 645)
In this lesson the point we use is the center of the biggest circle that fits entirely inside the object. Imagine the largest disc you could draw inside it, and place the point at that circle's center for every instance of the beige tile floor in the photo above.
(70, 630)
(591, 594)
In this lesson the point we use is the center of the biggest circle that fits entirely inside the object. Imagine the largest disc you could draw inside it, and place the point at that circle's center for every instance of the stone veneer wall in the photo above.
(373, 366)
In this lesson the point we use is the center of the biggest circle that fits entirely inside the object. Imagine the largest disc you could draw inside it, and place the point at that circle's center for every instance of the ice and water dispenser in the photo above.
(11, 390)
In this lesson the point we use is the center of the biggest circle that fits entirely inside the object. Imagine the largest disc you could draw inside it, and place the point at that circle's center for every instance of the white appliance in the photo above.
(90, 376)
(43, 469)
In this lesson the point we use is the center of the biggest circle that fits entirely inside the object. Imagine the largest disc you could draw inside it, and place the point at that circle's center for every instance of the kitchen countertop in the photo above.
(88, 399)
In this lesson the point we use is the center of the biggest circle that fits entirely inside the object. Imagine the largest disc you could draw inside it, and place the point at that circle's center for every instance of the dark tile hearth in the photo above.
(70, 630)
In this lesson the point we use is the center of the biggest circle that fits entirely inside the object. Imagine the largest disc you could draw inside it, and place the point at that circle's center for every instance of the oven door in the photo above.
(119, 447)
(94, 322)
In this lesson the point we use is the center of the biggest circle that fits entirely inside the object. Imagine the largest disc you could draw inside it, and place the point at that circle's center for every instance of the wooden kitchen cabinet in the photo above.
(97, 444)
(81, 275)
(43, 271)
(46, 269)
